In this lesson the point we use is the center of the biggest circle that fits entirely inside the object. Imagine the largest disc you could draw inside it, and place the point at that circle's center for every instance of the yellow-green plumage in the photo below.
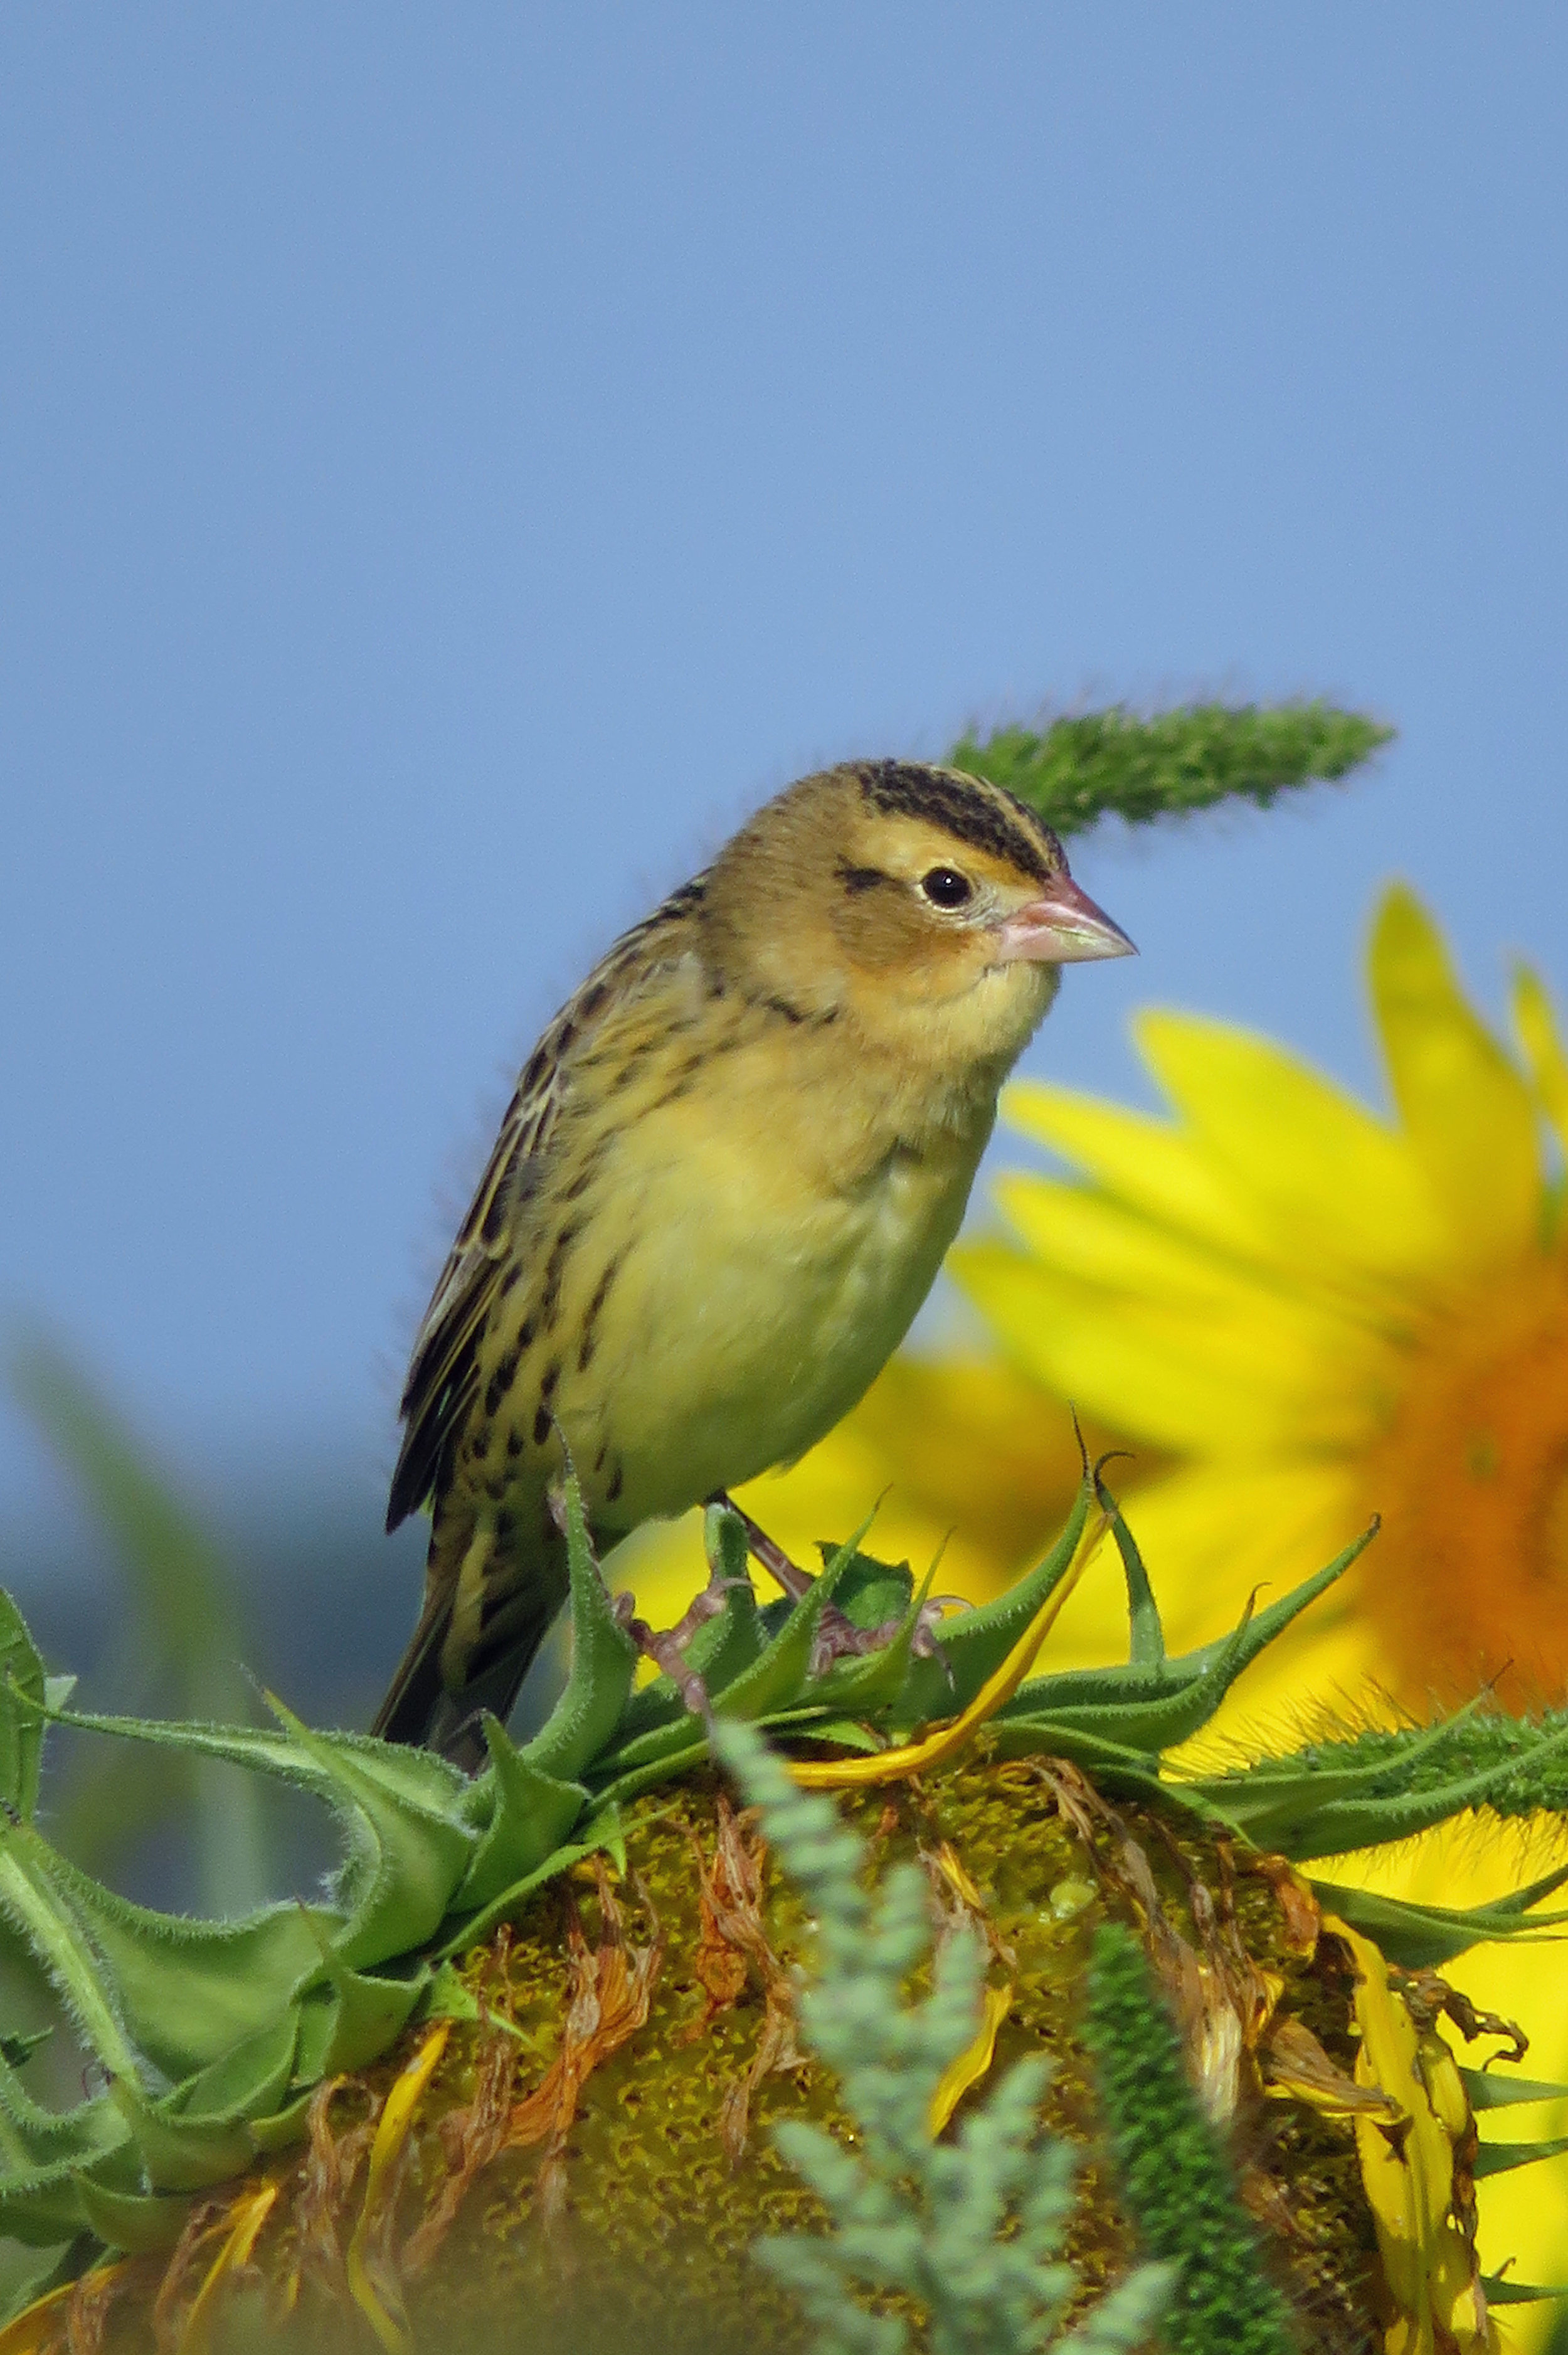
(721, 1193)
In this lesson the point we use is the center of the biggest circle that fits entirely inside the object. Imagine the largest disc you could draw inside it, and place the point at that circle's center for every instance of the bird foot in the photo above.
(838, 1637)
(664, 1648)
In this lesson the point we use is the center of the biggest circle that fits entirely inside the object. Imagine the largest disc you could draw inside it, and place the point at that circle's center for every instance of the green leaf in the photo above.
(604, 1662)
(1502, 2158)
(139, 2223)
(1489, 2091)
(1425, 1938)
(18, 2050)
(533, 1814)
(187, 1991)
(21, 1729)
(1330, 1812)
(975, 1644)
(353, 2020)
(1076, 769)
(409, 1861)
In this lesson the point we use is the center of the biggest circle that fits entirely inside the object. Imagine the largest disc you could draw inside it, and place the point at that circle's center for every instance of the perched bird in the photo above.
(722, 1189)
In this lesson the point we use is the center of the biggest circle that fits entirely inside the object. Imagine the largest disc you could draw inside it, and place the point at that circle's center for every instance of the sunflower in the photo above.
(1321, 1315)
(1299, 1314)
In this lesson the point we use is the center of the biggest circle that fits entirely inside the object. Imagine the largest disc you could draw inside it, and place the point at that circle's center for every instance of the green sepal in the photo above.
(601, 1834)
(404, 1864)
(1487, 2091)
(864, 1687)
(21, 1729)
(418, 1777)
(177, 2153)
(975, 1644)
(1425, 1938)
(604, 1662)
(663, 1768)
(31, 1901)
(1502, 2289)
(32, 2136)
(246, 2081)
(187, 1991)
(43, 2208)
(1146, 1636)
(1300, 1813)
(872, 1593)
(285, 2127)
(58, 2261)
(532, 1814)
(1502, 2158)
(846, 1733)
(779, 1677)
(721, 1649)
(354, 2018)
(139, 2224)
(1153, 1707)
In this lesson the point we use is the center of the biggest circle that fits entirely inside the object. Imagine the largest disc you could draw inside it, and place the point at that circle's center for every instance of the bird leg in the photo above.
(838, 1637)
(664, 1648)
(765, 1551)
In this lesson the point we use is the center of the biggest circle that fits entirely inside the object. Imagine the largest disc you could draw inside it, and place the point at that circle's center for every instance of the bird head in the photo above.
(930, 904)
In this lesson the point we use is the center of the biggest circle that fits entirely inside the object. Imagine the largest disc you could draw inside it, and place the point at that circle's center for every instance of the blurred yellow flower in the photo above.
(1322, 1315)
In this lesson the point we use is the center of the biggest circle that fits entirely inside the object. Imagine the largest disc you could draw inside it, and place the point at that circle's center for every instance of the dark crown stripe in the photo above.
(970, 809)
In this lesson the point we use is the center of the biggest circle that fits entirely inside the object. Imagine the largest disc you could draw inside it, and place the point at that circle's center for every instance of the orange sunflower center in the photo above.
(1470, 1580)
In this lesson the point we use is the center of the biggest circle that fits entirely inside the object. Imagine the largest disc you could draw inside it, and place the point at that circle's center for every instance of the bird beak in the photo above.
(1061, 927)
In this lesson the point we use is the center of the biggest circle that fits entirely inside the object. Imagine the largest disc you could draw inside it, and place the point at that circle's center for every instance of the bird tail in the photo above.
(423, 1710)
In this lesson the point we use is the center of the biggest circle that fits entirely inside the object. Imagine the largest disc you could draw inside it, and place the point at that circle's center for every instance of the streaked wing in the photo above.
(443, 1374)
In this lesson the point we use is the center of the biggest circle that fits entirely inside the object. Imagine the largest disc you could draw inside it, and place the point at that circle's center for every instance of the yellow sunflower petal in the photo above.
(1234, 1379)
(1146, 1163)
(1542, 1047)
(1524, 2212)
(1465, 1107)
(1320, 1171)
(1087, 1235)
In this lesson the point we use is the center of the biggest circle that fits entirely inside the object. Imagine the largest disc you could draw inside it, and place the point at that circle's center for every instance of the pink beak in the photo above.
(1061, 927)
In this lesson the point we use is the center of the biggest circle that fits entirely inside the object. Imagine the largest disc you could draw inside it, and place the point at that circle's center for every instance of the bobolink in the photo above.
(721, 1191)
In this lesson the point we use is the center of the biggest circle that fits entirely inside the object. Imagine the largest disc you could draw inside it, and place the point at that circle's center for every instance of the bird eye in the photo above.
(946, 887)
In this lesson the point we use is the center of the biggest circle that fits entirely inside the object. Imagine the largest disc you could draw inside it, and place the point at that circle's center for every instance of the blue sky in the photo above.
(457, 461)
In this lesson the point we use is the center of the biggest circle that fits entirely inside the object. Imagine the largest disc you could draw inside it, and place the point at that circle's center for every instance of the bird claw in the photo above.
(838, 1637)
(663, 1646)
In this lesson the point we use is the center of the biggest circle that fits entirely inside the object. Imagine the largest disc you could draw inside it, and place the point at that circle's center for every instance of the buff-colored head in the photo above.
(931, 906)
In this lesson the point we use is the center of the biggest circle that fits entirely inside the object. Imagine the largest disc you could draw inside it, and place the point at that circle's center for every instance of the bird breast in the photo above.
(770, 1245)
